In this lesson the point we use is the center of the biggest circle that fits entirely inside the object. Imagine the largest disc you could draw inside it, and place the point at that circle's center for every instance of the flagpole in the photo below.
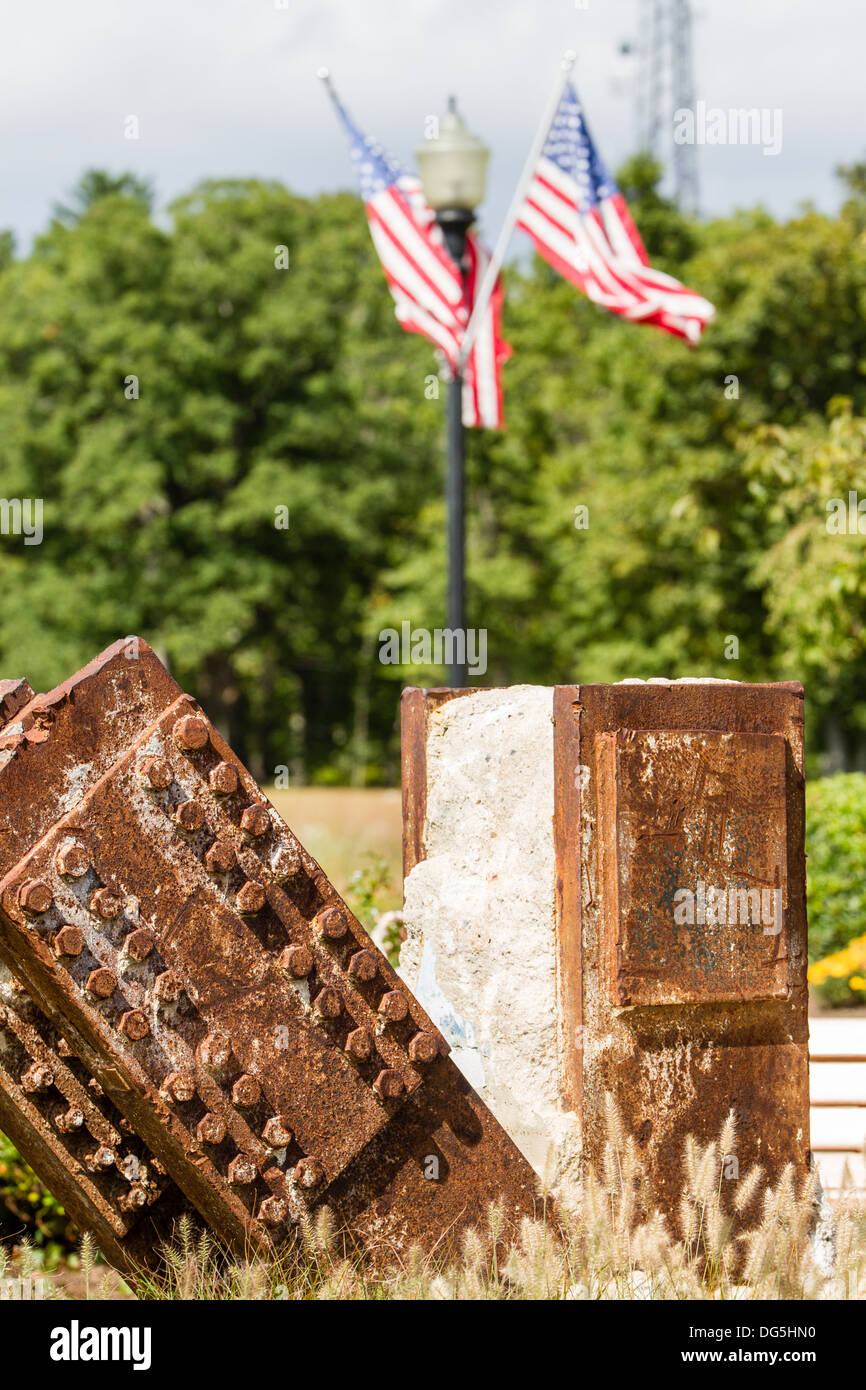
(324, 76)
(491, 274)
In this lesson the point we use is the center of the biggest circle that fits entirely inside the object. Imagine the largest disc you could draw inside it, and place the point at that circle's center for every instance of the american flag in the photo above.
(426, 284)
(580, 223)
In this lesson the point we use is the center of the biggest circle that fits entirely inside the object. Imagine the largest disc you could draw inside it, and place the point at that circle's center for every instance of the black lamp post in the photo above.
(453, 166)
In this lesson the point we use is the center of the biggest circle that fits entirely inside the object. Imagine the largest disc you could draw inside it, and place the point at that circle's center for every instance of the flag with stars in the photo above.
(581, 225)
(429, 292)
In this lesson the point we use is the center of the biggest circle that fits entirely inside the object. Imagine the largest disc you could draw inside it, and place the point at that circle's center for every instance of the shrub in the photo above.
(27, 1209)
(836, 878)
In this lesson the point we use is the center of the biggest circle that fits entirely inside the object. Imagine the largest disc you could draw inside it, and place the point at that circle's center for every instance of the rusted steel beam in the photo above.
(416, 706)
(688, 784)
(218, 989)
(66, 1128)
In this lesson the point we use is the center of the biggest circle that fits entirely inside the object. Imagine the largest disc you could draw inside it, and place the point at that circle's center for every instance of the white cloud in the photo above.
(227, 88)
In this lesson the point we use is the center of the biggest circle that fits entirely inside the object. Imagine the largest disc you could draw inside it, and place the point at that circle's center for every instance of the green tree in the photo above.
(98, 183)
(166, 390)
(166, 393)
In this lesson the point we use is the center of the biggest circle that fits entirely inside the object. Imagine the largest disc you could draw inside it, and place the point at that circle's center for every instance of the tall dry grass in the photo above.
(609, 1244)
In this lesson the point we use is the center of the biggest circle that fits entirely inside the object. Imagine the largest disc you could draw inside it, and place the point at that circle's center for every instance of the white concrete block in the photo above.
(480, 913)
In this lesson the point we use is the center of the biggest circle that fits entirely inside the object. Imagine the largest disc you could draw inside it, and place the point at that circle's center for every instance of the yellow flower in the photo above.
(841, 964)
(857, 982)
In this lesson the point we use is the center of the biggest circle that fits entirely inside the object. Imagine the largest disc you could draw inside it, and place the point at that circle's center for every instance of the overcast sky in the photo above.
(227, 88)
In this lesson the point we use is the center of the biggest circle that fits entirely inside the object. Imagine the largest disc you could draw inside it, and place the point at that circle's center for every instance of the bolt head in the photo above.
(359, 1044)
(191, 733)
(134, 1199)
(388, 1084)
(72, 861)
(69, 941)
(255, 821)
(328, 1003)
(309, 1173)
(180, 1086)
(242, 1171)
(134, 1025)
(35, 896)
(215, 1051)
(154, 773)
(189, 816)
(274, 1211)
(211, 1129)
(101, 1158)
(331, 922)
(101, 983)
(364, 966)
(297, 961)
(223, 779)
(277, 1132)
(393, 1006)
(286, 863)
(424, 1048)
(106, 904)
(132, 1168)
(168, 987)
(139, 944)
(251, 898)
(246, 1091)
(220, 858)
(70, 1120)
(37, 1077)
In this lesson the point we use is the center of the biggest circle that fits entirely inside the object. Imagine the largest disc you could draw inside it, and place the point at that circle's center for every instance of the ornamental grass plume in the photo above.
(606, 1241)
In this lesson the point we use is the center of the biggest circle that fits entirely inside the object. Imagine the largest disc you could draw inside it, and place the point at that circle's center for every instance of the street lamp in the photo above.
(453, 166)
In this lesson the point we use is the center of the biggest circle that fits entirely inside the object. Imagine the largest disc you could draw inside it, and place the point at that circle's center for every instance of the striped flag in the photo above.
(581, 225)
(426, 284)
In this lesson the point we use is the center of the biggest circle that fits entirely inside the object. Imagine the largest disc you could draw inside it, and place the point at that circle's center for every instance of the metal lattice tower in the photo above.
(665, 84)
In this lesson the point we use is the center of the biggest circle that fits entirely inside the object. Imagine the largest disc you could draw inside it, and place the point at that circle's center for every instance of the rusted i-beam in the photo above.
(208, 976)
(86, 1153)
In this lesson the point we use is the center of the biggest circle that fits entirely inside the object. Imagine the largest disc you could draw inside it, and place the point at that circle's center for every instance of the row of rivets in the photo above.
(363, 966)
(37, 1078)
(72, 860)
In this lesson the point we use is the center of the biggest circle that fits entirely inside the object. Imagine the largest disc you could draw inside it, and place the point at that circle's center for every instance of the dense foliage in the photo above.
(169, 390)
(836, 853)
(28, 1211)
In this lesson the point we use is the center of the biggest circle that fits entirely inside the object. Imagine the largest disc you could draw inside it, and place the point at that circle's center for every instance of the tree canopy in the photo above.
(240, 457)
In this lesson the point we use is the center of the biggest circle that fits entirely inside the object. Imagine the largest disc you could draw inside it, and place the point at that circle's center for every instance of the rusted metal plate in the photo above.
(680, 1028)
(416, 706)
(439, 1167)
(65, 1127)
(57, 745)
(568, 776)
(693, 839)
(206, 973)
(14, 695)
